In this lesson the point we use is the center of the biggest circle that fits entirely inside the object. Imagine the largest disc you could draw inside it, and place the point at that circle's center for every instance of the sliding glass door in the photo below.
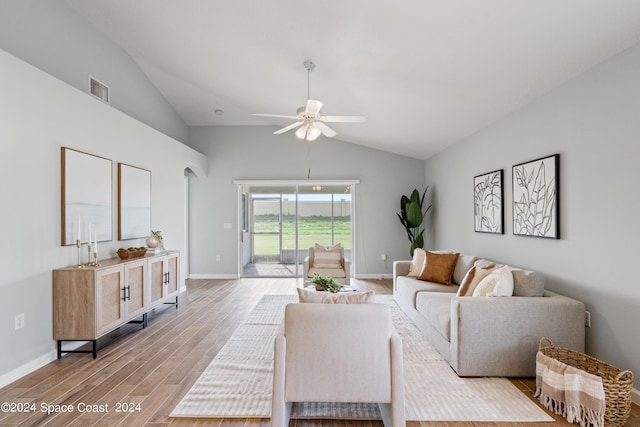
(281, 223)
(267, 229)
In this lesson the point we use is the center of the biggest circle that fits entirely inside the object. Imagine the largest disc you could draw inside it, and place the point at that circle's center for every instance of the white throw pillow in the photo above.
(419, 257)
(327, 257)
(499, 283)
(322, 297)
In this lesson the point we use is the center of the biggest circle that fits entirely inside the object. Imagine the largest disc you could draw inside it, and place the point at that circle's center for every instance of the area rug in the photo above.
(237, 383)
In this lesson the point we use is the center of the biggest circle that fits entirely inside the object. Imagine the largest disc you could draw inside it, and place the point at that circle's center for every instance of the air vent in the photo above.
(99, 90)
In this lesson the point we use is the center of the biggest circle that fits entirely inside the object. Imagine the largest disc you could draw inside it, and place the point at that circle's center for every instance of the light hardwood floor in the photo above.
(151, 369)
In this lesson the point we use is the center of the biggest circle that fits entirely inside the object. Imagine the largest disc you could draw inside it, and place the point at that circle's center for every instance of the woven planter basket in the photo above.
(616, 382)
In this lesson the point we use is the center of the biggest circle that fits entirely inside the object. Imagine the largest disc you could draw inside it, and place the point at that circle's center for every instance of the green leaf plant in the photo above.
(412, 215)
(326, 283)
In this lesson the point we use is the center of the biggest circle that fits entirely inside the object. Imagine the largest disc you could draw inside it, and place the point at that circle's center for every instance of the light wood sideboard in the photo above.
(90, 302)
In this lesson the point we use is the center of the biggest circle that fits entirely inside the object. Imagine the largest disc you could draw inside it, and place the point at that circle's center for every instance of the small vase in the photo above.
(153, 242)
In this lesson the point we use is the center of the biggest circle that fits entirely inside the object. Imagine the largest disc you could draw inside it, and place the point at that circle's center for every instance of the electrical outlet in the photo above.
(383, 257)
(19, 321)
(587, 319)
(217, 257)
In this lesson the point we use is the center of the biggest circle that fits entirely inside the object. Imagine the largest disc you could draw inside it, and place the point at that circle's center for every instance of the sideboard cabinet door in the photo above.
(110, 299)
(164, 277)
(135, 288)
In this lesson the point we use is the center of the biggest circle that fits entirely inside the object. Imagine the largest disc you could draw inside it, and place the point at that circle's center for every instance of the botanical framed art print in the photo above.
(488, 209)
(535, 198)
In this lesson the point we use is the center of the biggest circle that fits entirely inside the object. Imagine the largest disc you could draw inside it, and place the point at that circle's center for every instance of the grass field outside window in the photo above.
(311, 230)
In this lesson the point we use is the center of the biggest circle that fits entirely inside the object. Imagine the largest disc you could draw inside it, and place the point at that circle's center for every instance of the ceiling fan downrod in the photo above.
(309, 66)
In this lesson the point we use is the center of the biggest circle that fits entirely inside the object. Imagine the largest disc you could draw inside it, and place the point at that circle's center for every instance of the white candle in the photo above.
(89, 236)
(95, 241)
(78, 237)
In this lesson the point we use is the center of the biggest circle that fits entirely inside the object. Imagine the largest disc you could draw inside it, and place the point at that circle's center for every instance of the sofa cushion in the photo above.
(527, 283)
(408, 287)
(472, 278)
(499, 283)
(327, 256)
(321, 297)
(438, 268)
(463, 264)
(417, 262)
(436, 308)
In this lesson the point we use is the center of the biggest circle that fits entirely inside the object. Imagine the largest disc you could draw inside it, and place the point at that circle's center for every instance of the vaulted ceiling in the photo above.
(425, 73)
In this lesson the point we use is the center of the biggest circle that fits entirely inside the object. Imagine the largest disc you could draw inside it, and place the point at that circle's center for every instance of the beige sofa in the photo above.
(489, 336)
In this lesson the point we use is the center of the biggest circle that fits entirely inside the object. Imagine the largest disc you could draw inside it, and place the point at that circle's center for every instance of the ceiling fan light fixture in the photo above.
(301, 133)
(308, 131)
(311, 124)
(313, 133)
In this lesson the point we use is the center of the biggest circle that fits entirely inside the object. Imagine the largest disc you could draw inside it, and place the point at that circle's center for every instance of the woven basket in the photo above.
(131, 254)
(616, 382)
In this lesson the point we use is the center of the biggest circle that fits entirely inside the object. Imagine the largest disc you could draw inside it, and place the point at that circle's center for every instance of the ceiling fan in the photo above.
(310, 123)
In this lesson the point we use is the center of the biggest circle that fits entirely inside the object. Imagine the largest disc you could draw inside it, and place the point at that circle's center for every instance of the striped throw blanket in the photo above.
(573, 393)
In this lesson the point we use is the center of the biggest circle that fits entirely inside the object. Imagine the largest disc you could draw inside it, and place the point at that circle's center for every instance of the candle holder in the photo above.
(88, 263)
(78, 245)
(95, 259)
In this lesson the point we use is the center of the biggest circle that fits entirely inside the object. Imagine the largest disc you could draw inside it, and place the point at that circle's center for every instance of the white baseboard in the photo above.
(374, 276)
(635, 396)
(27, 368)
(213, 276)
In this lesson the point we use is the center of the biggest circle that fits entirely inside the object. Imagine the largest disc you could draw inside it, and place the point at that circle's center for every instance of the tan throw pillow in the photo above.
(309, 296)
(327, 257)
(473, 277)
(499, 283)
(417, 263)
(438, 268)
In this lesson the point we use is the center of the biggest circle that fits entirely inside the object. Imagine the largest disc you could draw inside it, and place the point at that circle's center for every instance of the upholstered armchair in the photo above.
(338, 353)
(327, 261)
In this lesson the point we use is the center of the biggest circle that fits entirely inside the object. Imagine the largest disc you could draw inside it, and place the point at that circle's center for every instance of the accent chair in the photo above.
(327, 261)
(338, 353)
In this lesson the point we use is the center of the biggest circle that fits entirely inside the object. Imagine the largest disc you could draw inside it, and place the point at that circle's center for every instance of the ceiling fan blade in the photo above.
(313, 106)
(343, 119)
(291, 126)
(326, 130)
(275, 115)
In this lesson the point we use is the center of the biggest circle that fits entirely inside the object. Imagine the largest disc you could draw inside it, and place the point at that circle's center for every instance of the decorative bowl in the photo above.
(126, 254)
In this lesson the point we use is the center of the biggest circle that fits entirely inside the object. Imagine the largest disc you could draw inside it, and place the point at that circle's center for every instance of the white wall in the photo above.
(255, 153)
(38, 115)
(593, 123)
(53, 37)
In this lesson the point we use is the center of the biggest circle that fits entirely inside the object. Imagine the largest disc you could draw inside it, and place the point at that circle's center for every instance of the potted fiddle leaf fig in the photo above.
(411, 215)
